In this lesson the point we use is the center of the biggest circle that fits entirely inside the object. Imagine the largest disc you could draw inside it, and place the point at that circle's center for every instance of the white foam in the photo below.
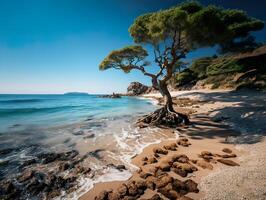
(107, 175)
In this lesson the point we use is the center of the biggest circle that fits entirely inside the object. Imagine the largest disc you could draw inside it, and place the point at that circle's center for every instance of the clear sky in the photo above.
(55, 46)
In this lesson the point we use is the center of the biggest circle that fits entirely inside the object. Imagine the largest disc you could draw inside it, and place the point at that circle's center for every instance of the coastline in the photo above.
(209, 132)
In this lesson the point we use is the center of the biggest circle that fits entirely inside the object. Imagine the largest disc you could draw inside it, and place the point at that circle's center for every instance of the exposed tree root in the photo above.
(164, 117)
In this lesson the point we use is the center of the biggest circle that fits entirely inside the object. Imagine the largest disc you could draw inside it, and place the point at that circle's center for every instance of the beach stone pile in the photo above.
(161, 176)
(45, 176)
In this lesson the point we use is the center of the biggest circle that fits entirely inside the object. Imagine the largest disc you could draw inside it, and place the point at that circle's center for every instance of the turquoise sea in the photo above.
(101, 129)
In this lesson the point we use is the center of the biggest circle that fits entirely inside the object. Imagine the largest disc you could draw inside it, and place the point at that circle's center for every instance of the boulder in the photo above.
(122, 190)
(136, 88)
(191, 186)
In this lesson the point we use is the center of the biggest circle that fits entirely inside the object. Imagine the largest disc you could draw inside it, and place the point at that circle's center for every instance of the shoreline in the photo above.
(216, 143)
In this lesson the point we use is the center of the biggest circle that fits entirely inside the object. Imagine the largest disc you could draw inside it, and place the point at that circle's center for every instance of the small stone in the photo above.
(205, 165)
(159, 150)
(228, 162)
(102, 196)
(227, 150)
(152, 160)
(144, 175)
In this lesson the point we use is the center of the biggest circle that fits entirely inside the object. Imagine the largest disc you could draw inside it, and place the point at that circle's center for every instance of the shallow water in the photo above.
(99, 127)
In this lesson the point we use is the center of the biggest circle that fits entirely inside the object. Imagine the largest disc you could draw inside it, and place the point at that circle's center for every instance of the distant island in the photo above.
(76, 93)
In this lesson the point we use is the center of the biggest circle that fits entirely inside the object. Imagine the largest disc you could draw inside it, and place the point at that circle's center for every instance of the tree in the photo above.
(172, 33)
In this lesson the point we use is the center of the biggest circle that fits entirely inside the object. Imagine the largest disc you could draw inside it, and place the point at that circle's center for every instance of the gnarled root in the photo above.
(164, 117)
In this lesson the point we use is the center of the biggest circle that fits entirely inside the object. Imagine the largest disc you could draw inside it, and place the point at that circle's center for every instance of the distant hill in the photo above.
(234, 71)
(76, 93)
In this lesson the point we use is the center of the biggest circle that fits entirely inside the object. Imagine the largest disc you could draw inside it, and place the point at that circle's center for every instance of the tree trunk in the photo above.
(166, 95)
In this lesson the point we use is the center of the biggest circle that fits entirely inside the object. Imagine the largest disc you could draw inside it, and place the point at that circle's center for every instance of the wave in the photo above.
(19, 111)
(21, 100)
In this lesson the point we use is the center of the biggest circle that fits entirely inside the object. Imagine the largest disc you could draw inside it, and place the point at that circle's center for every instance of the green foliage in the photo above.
(198, 25)
(185, 77)
(199, 66)
(223, 65)
(126, 58)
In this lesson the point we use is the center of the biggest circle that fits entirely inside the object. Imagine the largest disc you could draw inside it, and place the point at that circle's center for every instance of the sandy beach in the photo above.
(224, 146)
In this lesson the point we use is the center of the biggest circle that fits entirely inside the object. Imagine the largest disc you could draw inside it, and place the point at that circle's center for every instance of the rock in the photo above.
(28, 162)
(228, 155)
(144, 158)
(102, 196)
(78, 133)
(182, 158)
(206, 153)
(112, 96)
(150, 184)
(6, 187)
(171, 147)
(191, 186)
(178, 186)
(165, 166)
(136, 88)
(163, 181)
(53, 194)
(228, 162)
(152, 160)
(122, 190)
(144, 175)
(185, 167)
(26, 175)
(63, 166)
(159, 150)
(132, 189)
(227, 150)
(155, 197)
(180, 172)
(121, 167)
(156, 155)
(114, 196)
(140, 184)
(183, 142)
(205, 165)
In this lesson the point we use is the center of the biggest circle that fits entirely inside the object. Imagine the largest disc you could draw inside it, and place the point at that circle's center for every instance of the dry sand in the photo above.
(235, 120)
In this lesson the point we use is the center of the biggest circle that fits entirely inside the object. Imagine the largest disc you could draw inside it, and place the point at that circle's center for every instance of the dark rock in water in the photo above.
(6, 151)
(51, 157)
(136, 88)
(78, 133)
(26, 175)
(89, 136)
(8, 190)
(121, 167)
(67, 140)
(28, 162)
(112, 96)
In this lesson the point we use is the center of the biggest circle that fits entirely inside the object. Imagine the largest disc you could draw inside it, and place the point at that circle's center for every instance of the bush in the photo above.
(185, 77)
(223, 65)
(200, 65)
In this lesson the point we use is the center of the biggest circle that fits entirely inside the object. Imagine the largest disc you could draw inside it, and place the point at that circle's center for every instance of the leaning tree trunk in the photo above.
(166, 115)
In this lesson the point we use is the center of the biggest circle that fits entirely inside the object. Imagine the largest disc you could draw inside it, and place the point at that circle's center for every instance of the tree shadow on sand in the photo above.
(244, 121)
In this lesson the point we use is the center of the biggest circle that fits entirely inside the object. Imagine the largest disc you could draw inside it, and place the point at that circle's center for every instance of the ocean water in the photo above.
(33, 124)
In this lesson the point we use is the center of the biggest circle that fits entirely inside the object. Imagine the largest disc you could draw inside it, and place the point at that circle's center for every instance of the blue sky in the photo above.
(55, 46)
